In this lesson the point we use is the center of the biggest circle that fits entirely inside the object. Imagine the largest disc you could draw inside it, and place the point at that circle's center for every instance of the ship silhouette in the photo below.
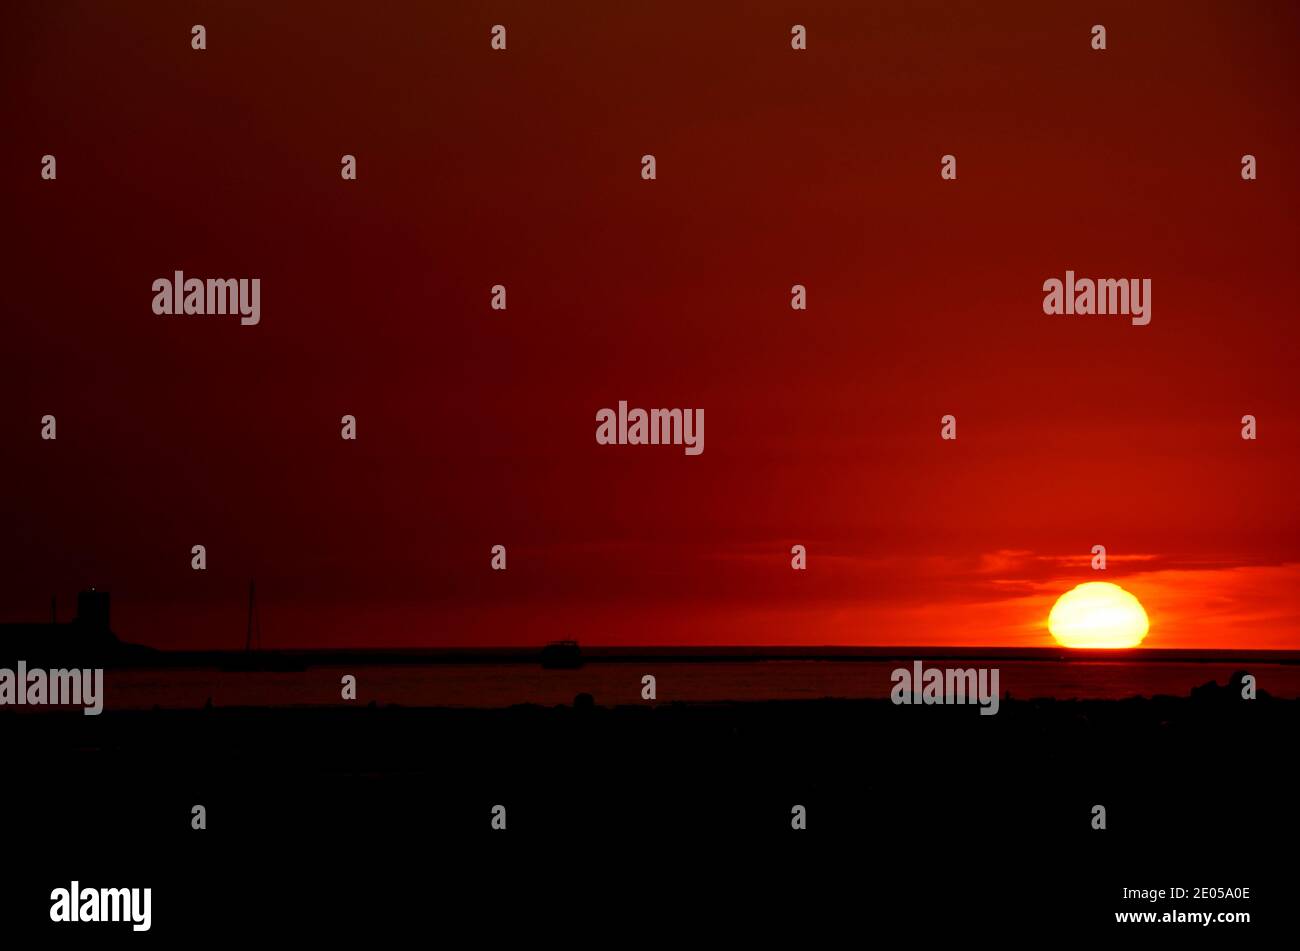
(561, 655)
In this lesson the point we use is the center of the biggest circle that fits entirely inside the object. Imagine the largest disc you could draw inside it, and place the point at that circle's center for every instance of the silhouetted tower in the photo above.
(254, 639)
(92, 609)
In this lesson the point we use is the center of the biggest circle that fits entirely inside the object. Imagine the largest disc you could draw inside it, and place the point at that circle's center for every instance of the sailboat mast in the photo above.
(248, 640)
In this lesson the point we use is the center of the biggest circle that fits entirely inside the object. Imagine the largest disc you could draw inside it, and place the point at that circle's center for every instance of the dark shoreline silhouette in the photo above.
(937, 803)
(1034, 769)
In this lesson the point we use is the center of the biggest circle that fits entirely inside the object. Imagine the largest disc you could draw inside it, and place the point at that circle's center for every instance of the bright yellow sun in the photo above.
(1098, 614)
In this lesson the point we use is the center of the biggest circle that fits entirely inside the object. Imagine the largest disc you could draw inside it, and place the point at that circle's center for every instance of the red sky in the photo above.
(521, 167)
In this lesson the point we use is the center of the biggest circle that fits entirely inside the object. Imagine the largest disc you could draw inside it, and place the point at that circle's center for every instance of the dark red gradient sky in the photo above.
(775, 167)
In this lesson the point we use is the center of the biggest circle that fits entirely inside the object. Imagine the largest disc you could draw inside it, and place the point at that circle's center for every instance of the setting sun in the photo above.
(1098, 614)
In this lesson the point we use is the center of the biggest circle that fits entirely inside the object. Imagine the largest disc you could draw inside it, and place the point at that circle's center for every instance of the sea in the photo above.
(611, 682)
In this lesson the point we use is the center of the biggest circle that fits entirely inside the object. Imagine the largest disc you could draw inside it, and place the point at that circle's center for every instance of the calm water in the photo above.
(502, 685)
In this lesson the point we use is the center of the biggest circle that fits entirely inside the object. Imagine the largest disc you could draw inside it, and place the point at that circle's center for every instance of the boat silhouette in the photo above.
(561, 655)
(253, 657)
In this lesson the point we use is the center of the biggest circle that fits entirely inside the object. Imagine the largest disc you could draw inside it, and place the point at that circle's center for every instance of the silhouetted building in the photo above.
(85, 641)
(92, 609)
